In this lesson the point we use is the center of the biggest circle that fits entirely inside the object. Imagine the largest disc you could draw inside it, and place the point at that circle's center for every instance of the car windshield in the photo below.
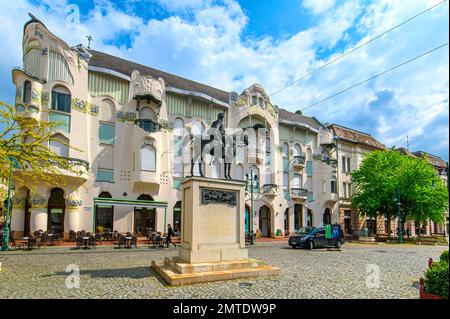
(304, 230)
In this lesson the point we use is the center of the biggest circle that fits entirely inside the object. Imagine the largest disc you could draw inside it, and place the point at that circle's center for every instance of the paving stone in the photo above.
(106, 272)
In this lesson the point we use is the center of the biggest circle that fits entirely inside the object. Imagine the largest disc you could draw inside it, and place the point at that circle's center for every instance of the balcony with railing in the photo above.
(270, 189)
(330, 161)
(148, 125)
(298, 161)
(77, 167)
(299, 193)
(332, 197)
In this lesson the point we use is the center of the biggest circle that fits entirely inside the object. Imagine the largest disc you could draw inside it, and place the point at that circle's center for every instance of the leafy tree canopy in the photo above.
(423, 195)
(24, 144)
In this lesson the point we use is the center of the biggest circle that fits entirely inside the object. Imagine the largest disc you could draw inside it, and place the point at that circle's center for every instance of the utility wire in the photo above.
(338, 58)
(375, 76)
(356, 48)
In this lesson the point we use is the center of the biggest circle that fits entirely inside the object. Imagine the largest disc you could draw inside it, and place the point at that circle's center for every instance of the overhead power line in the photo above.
(356, 48)
(375, 76)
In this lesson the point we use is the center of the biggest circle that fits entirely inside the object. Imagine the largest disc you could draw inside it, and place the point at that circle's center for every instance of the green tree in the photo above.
(376, 183)
(24, 144)
(423, 195)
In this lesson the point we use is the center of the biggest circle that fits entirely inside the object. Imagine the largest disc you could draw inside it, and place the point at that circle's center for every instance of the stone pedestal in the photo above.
(213, 235)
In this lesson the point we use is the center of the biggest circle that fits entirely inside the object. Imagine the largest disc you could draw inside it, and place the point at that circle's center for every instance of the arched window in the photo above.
(61, 99)
(55, 211)
(297, 181)
(254, 170)
(261, 102)
(327, 217)
(285, 150)
(256, 177)
(107, 129)
(178, 127)
(198, 128)
(268, 176)
(309, 218)
(309, 154)
(104, 216)
(297, 150)
(27, 92)
(267, 146)
(333, 185)
(286, 181)
(107, 111)
(148, 158)
(59, 144)
(178, 167)
(147, 113)
(178, 133)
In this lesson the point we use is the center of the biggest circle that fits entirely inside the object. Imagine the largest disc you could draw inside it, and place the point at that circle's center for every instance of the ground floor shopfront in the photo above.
(355, 225)
(61, 209)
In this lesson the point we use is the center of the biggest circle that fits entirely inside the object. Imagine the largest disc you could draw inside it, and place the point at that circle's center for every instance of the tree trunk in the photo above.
(420, 233)
(389, 227)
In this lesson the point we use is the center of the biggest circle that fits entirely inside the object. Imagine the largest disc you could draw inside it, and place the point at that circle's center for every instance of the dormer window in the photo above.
(254, 100)
(61, 99)
(27, 92)
(261, 102)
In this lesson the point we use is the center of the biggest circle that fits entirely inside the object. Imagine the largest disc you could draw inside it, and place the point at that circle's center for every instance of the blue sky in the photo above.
(232, 44)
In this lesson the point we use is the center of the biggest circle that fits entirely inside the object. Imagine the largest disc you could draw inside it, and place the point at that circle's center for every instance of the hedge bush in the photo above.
(437, 279)
(444, 256)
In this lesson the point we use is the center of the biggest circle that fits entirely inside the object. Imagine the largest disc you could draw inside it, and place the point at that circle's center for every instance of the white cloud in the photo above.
(208, 47)
(318, 6)
(178, 5)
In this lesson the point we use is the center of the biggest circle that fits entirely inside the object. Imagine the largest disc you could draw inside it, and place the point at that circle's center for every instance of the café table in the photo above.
(85, 242)
(128, 242)
(27, 240)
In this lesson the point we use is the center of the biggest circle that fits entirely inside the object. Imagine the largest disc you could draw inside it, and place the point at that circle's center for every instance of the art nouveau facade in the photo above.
(126, 122)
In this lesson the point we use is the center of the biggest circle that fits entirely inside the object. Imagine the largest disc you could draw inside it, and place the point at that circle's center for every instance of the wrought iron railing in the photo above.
(70, 161)
(298, 160)
(147, 125)
(270, 189)
(299, 192)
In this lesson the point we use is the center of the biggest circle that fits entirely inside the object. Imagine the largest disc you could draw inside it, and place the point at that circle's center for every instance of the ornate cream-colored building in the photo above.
(128, 120)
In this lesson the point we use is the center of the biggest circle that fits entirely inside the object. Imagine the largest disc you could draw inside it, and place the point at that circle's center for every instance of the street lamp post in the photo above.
(250, 181)
(400, 230)
(8, 209)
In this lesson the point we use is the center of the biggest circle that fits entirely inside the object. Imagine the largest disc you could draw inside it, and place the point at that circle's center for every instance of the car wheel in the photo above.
(338, 244)
(311, 245)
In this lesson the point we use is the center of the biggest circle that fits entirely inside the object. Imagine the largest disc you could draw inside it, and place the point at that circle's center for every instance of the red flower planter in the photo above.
(423, 294)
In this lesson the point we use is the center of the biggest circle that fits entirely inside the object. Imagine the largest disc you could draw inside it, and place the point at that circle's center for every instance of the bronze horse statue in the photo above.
(217, 140)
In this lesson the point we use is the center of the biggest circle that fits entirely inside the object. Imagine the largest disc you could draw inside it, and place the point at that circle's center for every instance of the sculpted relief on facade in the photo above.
(146, 85)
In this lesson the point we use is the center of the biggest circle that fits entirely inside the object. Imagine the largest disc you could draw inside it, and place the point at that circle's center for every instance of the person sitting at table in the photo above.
(170, 234)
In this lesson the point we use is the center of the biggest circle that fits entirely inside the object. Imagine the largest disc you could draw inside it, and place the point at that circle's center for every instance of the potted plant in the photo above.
(436, 281)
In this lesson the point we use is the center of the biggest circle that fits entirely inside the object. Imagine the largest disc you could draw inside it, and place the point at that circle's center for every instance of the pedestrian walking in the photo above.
(170, 234)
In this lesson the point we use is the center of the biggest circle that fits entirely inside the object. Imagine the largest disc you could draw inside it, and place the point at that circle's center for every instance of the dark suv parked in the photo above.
(314, 237)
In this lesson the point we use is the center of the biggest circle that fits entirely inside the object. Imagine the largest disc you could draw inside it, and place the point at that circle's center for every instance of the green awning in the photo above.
(101, 201)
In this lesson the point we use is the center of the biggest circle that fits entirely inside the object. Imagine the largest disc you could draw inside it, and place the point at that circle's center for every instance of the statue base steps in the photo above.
(177, 272)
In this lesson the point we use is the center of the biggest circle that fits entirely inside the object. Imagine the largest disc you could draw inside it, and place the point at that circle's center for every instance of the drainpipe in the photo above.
(337, 178)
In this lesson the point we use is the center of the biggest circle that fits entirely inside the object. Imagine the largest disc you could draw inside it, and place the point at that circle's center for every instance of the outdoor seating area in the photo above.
(86, 240)
(36, 239)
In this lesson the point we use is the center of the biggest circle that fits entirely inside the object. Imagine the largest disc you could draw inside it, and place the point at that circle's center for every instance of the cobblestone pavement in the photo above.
(106, 272)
